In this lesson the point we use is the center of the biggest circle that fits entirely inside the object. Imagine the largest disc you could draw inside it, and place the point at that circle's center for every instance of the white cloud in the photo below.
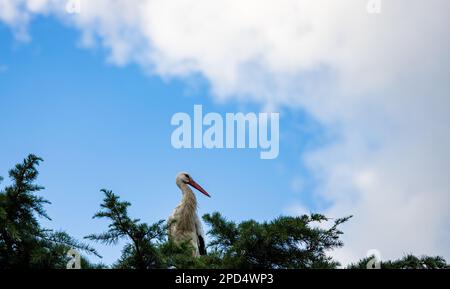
(377, 80)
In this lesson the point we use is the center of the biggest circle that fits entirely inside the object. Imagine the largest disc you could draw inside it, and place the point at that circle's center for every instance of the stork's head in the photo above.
(184, 178)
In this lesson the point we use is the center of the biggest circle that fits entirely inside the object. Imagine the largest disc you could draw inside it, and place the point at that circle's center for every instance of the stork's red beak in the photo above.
(199, 188)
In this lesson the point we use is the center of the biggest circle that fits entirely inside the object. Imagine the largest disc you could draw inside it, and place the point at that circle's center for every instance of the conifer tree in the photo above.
(23, 242)
(285, 242)
(142, 250)
(407, 262)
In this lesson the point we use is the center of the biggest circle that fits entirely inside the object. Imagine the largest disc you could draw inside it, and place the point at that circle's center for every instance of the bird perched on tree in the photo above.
(184, 223)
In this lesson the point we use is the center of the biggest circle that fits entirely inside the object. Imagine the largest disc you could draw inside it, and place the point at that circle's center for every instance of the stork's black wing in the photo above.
(201, 245)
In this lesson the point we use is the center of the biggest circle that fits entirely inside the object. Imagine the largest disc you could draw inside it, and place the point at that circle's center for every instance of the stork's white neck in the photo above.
(188, 195)
(187, 207)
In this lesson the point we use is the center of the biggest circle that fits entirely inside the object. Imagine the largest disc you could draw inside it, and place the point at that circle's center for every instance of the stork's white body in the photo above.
(192, 234)
(184, 223)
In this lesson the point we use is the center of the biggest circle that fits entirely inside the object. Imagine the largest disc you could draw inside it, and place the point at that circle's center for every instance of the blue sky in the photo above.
(101, 126)
(363, 99)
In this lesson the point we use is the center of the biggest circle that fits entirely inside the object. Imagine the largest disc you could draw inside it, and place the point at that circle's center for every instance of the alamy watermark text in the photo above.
(237, 130)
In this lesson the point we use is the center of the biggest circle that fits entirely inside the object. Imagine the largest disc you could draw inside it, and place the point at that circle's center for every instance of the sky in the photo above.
(363, 100)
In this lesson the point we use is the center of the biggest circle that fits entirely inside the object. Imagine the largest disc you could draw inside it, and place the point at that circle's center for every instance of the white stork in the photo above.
(184, 224)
